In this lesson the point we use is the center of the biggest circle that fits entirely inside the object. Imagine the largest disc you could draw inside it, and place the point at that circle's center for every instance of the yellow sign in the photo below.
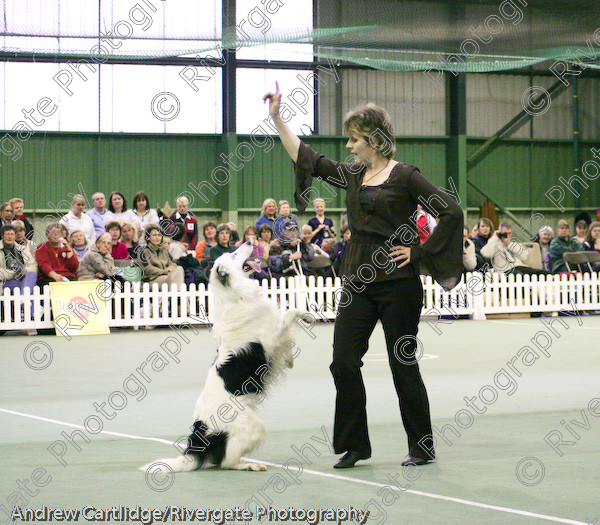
(79, 307)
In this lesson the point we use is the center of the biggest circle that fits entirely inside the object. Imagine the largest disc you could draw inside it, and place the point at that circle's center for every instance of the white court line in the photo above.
(470, 503)
(525, 324)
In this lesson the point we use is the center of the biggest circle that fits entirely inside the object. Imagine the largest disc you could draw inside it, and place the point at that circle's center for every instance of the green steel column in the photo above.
(575, 133)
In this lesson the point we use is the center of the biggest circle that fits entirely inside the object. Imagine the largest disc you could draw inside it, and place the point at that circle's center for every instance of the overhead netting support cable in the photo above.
(462, 37)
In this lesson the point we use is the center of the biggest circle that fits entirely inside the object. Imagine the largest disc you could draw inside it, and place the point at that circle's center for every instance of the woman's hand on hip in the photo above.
(401, 255)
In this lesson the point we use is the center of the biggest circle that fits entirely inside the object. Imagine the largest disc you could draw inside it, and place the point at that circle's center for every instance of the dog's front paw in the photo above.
(256, 467)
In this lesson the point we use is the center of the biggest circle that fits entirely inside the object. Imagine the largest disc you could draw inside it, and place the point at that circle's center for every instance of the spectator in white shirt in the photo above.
(77, 220)
(507, 255)
(117, 203)
(99, 214)
(143, 214)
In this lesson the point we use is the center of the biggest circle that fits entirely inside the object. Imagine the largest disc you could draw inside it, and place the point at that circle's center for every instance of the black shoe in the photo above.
(414, 460)
(349, 458)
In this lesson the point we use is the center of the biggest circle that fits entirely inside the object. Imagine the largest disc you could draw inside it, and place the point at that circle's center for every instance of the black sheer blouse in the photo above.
(384, 216)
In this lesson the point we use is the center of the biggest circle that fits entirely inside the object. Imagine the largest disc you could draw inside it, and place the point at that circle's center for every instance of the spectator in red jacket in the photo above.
(119, 249)
(190, 223)
(56, 258)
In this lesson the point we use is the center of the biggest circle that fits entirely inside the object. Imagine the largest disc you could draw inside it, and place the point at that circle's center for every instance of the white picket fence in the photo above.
(138, 305)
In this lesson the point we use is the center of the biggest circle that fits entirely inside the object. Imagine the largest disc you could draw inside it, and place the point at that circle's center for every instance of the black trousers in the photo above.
(397, 303)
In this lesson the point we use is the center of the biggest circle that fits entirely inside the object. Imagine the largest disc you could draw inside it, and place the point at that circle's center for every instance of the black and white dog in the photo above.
(255, 347)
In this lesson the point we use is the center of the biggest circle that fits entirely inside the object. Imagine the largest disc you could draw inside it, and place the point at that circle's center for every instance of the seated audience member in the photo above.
(268, 213)
(469, 259)
(223, 242)
(592, 241)
(425, 224)
(474, 230)
(6, 213)
(119, 249)
(143, 214)
(235, 236)
(79, 243)
(129, 237)
(190, 223)
(321, 226)
(178, 248)
(506, 255)
(117, 204)
(56, 259)
(306, 234)
(18, 268)
(18, 215)
(340, 247)
(258, 253)
(562, 243)
(289, 248)
(284, 215)
(265, 238)
(484, 232)
(328, 245)
(581, 230)
(158, 266)
(98, 263)
(544, 237)
(99, 214)
(77, 220)
(209, 232)
(21, 237)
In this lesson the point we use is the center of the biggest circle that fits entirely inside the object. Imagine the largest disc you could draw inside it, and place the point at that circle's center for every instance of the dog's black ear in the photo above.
(223, 276)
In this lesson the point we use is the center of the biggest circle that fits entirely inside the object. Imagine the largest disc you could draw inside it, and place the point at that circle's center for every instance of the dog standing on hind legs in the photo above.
(254, 348)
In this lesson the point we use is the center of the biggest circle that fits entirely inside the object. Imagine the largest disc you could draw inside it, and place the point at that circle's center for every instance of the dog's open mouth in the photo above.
(252, 264)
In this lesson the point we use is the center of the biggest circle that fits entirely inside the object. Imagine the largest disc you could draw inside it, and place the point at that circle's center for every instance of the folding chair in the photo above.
(579, 258)
(321, 261)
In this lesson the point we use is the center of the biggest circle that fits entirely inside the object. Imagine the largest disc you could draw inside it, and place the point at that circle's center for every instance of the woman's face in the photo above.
(347, 235)
(563, 231)
(127, 233)
(360, 148)
(7, 213)
(284, 209)
(115, 233)
(117, 202)
(20, 235)
(484, 229)
(224, 236)
(141, 204)
(595, 233)
(271, 209)
(182, 207)
(155, 237)
(319, 208)
(581, 231)
(104, 246)
(18, 209)
(210, 232)
(250, 237)
(78, 239)
(266, 235)
(545, 237)
(306, 236)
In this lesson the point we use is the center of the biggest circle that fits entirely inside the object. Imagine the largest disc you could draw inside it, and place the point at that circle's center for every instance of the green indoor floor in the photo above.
(493, 467)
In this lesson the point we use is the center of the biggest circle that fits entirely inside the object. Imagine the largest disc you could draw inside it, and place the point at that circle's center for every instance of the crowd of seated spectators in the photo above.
(111, 241)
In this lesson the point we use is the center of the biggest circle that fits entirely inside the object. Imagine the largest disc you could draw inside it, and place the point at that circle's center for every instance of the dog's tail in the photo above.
(205, 448)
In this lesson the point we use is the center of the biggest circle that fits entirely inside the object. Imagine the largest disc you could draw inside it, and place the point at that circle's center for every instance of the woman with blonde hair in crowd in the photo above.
(129, 237)
(21, 237)
(268, 213)
(98, 263)
(79, 242)
(322, 227)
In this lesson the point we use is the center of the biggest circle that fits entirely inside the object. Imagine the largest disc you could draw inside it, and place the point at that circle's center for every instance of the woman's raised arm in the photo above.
(290, 141)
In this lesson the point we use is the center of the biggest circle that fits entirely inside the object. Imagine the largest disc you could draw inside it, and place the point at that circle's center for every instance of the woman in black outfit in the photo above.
(380, 269)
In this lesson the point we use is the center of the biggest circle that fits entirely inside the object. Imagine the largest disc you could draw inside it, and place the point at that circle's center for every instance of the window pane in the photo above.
(157, 99)
(274, 20)
(252, 84)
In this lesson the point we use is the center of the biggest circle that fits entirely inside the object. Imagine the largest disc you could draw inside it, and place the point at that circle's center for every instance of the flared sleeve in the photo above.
(312, 164)
(441, 254)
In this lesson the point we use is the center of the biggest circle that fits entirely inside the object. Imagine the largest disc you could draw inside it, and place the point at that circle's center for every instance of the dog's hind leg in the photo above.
(242, 442)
